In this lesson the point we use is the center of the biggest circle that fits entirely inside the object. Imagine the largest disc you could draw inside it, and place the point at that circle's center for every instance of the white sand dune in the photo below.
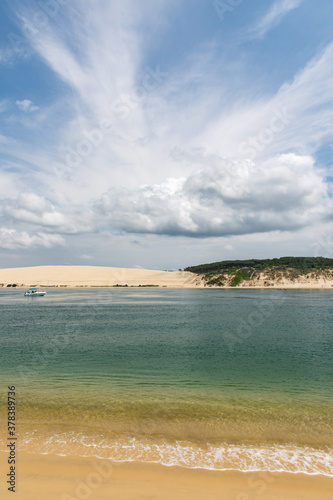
(91, 276)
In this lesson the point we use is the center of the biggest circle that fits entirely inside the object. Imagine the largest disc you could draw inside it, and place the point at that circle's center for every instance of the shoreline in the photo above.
(53, 477)
(158, 287)
(80, 277)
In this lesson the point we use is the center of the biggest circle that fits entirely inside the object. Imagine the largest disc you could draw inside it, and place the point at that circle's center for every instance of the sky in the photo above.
(165, 133)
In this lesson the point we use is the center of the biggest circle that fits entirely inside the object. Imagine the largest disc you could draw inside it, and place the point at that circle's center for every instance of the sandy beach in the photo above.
(52, 477)
(94, 276)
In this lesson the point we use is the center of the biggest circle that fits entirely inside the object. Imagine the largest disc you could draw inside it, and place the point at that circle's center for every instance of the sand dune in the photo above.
(91, 276)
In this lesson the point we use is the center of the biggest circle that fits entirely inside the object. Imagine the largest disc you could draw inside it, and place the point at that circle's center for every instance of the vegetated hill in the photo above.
(266, 272)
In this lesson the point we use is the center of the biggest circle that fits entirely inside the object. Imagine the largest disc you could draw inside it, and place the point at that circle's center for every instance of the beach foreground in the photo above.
(52, 477)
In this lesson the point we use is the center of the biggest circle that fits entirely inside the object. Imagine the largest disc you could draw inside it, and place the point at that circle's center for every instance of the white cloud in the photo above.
(26, 105)
(190, 108)
(6, 55)
(305, 104)
(104, 76)
(9, 183)
(182, 129)
(284, 193)
(11, 239)
(273, 17)
(29, 208)
(224, 198)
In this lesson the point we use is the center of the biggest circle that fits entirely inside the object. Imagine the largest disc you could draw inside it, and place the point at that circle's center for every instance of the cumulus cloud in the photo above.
(26, 105)
(29, 208)
(220, 198)
(284, 193)
(11, 239)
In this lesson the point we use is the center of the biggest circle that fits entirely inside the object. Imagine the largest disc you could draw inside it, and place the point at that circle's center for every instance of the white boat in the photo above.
(34, 292)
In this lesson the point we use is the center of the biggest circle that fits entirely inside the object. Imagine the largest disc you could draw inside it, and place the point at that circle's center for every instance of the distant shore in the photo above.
(113, 277)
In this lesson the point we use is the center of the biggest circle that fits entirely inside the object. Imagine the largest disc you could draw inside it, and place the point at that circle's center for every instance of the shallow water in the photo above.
(220, 379)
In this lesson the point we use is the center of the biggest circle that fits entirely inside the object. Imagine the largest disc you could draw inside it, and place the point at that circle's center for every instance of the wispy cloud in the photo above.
(6, 140)
(303, 104)
(6, 55)
(193, 106)
(161, 168)
(26, 105)
(272, 18)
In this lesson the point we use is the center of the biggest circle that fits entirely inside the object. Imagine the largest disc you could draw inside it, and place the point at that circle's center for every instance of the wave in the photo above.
(213, 456)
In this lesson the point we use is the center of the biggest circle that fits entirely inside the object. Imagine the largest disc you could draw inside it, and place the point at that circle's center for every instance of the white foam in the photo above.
(273, 458)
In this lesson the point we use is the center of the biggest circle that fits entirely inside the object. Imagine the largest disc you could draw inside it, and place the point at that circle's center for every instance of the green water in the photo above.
(191, 377)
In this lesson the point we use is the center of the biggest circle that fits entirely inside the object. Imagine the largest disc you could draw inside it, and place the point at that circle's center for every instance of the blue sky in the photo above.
(161, 134)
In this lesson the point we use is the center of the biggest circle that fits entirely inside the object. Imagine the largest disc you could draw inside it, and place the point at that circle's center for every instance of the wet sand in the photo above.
(50, 477)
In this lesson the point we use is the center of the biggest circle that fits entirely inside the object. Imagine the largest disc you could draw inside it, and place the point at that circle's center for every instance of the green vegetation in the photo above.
(149, 286)
(302, 263)
(218, 281)
(240, 275)
(233, 272)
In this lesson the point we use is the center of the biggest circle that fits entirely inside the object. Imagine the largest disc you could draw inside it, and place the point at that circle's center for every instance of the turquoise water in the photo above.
(236, 379)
